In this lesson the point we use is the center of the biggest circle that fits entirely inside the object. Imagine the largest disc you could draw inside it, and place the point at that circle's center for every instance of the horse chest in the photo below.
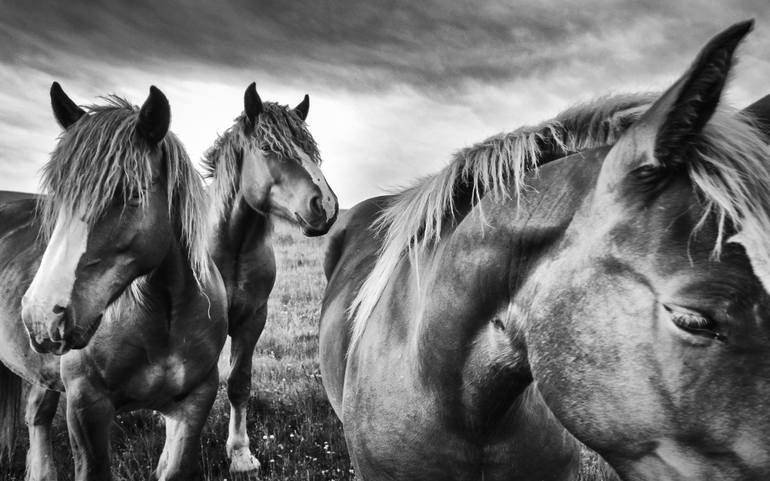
(157, 379)
(174, 373)
(396, 413)
(158, 364)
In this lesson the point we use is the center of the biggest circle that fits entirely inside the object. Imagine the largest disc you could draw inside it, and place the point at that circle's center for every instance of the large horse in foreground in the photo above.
(622, 295)
(265, 166)
(112, 280)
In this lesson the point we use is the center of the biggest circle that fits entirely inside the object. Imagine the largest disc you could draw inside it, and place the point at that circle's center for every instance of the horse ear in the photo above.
(759, 111)
(154, 117)
(64, 109)
(680, 114)
(252, 104)
(303, 107)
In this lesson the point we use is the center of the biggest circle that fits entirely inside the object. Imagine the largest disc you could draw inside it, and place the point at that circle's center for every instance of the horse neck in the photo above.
(170, 290)
(176, 268)
(238, 229)
(463, 286)
(470, 332)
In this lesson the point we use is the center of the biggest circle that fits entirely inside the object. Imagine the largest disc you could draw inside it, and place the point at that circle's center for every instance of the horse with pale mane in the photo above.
(602, 277)
(265, 166)
(111, 277)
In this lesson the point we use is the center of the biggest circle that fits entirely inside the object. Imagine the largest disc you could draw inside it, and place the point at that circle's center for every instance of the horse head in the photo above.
(107, 216)
(648, 329)
(280, 172)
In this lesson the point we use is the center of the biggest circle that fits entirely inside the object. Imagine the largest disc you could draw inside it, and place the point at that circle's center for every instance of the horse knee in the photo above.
(238, 389)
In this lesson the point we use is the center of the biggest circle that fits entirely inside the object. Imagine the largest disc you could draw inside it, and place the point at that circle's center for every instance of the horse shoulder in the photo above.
(353, 231)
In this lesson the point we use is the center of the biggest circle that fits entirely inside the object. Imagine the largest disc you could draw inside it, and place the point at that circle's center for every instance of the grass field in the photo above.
(294, 431)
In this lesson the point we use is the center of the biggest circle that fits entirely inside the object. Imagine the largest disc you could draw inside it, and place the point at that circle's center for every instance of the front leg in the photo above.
(180, 459)
(89, 416)
(41, 409)
(244, 334)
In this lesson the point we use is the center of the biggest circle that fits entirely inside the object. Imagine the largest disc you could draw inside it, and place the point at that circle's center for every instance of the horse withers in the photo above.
(622, 296)
(265, 166)
(113, 269)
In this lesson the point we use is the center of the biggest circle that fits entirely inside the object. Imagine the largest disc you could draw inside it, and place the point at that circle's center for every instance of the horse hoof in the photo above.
(243, 466)
(249, 476)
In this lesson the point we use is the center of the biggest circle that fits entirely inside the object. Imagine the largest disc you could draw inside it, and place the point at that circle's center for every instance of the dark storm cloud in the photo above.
(434, 45)
(396, 86)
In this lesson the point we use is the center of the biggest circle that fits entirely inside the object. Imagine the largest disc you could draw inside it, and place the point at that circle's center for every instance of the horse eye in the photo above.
(647, 172)
(694, 323)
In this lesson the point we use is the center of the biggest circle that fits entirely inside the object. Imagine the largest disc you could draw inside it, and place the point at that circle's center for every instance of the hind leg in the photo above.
(41, 408)
(180, 459)
(243, 339)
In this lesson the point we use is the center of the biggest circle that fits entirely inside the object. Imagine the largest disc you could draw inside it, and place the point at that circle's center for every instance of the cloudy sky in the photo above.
(395, 86)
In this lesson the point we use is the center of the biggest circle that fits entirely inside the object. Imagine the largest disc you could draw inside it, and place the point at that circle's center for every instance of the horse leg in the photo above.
(41, 408)
(243, 339)
(89, 416)
(180, 459)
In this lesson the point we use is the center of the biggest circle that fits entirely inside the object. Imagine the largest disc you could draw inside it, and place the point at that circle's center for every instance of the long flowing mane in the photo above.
(415, 219)
(730, 171)
(99, 158)
(278, 130)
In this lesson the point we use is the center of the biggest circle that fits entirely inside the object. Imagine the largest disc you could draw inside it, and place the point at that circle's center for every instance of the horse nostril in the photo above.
(317, 205)
(57, 309)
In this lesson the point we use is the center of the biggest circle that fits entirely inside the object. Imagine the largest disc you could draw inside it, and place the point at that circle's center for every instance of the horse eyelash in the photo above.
(691, 320)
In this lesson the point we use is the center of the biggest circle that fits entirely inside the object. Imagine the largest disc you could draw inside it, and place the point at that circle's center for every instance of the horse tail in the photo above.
(10, 407)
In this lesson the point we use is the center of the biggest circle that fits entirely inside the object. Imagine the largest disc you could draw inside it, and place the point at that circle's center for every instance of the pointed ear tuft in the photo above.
(154, 117)
(303, 107)
(252, 104)
(688, 105)
(64, 109)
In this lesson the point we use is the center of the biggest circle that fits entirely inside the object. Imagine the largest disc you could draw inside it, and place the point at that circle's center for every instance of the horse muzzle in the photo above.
(316, 223)
(54, 331)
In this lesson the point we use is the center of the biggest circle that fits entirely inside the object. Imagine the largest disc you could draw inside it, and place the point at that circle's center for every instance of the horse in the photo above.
(110, 275)
(601, 279)
(265, 165)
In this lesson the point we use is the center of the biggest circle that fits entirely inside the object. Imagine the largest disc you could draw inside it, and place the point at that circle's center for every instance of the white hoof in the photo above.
(241, 461)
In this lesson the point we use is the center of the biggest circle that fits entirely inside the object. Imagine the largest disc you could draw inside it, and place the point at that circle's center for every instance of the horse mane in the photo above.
(278, 130)
(414, 220)
(99, 157)
(731, 172)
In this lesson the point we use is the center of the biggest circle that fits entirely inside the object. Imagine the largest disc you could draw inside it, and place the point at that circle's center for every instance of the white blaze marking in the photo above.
(328, 199)
(54, 279)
